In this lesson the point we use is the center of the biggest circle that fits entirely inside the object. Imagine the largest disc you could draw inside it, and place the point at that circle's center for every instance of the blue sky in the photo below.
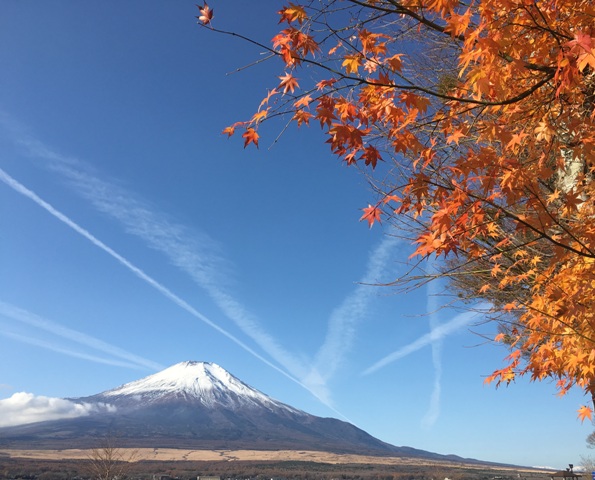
(133, 236)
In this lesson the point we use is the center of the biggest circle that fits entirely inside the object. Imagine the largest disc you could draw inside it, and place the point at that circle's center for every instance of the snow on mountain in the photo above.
(206, 382)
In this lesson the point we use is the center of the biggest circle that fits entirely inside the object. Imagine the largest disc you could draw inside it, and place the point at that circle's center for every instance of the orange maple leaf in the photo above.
(371, 215)
(250, 136)
(288, 82)
(510, 306)
(229, 131)
(326, 83)
(458, 24)
(259, 116)
(292, 13)
(282, 42)
(395, 62)
(206, 14)
(516, 140)
(455, 137)
(584, 413)
(302, 117)
(335, 48)
(303, 102)
(266, 99)
(543, 131)
(555, 195)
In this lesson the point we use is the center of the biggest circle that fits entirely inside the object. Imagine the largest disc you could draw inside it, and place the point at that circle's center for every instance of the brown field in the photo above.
(173, 455)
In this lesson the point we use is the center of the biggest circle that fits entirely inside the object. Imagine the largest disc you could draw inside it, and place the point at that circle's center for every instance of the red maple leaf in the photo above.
(371, 155)
(371, 215)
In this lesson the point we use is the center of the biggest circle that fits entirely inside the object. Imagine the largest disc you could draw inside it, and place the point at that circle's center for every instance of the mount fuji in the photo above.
(198, 405)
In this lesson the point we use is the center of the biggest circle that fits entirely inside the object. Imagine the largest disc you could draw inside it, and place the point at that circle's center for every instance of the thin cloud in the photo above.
(53, 346)
(31, 319)
(433, 412)
(344, 319)
(431, 416)
(23, 408)
(441, 331)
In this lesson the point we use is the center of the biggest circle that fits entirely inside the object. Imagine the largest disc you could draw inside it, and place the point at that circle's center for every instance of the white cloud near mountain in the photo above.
(22, 408)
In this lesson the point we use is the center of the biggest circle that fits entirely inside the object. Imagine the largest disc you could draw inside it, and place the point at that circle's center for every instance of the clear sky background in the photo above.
(133, 236)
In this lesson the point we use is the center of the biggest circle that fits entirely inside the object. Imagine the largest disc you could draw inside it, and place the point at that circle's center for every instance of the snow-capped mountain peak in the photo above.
(203, 381)
(188, 377)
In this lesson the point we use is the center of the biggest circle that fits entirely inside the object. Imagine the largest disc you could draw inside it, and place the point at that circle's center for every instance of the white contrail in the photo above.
(441, 331)
(65, 351)
(344, 319)
(18, 187)
(34, 320)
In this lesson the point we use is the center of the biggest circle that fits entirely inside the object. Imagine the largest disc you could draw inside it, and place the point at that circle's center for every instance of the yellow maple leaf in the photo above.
(352, 63)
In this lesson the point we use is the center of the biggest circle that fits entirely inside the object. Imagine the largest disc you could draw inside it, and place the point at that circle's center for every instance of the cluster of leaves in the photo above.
(483, 113)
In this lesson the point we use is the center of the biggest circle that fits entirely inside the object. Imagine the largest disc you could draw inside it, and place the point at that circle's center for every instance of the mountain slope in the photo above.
(198, 405)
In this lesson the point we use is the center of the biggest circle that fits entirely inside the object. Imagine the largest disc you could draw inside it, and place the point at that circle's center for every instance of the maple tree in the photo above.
(481, 117)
